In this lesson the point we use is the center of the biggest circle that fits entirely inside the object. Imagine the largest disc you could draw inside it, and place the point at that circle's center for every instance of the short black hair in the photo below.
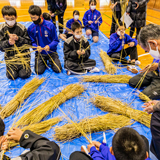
(128, 144)
(76, 12)
(120, 24)
(2, 127)
(46, 16)
(90, 1)
(35, 10)
(9, 10)
(75, 25)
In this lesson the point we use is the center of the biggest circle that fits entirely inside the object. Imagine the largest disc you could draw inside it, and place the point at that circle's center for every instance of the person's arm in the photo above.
(55, 41)
(68, 53)
(49, 5)
(128, 10)
(95, 154)
(87, 50)
(32, 38)
(64, 6)
(85, 19)
(115, 42)
(156, 107)
(142, 3)
(100, 19)
(129, 39)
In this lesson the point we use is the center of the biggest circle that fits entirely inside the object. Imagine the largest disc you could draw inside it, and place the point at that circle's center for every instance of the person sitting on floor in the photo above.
(43, 36)
(77, 52)
(40, 147)
(149, 39)
(47, 16)
(68, 33)
(127, 144)
(13, 33)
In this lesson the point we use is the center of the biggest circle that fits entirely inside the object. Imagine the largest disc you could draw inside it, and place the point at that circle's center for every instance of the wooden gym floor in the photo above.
(22, 6)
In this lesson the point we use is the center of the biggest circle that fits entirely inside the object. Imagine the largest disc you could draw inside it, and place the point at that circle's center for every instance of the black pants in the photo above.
(78, 66)
(151, 82)
(132, 31)
(60, 20)
(132, 51)
(41, 62)
(118, 16)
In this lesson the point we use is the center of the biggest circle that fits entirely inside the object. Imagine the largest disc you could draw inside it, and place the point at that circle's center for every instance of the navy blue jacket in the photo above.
(92, 16)
(115, 44)
(69, 23)
(44, 34)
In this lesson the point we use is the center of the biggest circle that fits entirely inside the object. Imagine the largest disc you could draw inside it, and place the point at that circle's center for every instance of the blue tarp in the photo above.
(76, 108)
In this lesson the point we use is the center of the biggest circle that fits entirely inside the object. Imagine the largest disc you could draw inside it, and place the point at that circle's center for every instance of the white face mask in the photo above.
(119, 33)
(76, 17)
(11, 23)
(153, 53)
(93, 8)
(78, 36)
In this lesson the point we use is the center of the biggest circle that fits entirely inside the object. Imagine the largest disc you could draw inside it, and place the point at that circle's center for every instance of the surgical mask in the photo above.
(37, 21)
(93, 8)
(153, 53)
(78, 36)
(11, 23)
(76, 17)
(119, 33)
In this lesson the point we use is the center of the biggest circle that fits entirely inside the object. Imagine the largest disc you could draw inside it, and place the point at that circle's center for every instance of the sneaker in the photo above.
(132, 69)
(95, 69)
(137, 62)
(68, 72)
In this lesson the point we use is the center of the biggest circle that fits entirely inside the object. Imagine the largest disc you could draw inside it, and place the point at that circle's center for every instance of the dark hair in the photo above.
(76, 12)
(35, 10)
(149, 32)
(46, 16)
(128, 144)
(120, 24)
(75, 25)
(90, 1)
(9, 10)
(2, 127)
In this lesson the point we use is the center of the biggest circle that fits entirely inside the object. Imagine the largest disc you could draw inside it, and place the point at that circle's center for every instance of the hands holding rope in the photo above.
(149, 68)
(12, 39)
(40, 49)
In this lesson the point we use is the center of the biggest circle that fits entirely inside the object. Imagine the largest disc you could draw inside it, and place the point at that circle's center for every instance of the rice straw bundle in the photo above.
(24, 93)
(112, 105)
(40, 128)
(109, 67)
(99, 123)
(44, 109)
(107, 78)
(143, 97)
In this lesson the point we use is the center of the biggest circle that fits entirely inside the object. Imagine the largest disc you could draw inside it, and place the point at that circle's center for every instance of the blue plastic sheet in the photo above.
(76, 108)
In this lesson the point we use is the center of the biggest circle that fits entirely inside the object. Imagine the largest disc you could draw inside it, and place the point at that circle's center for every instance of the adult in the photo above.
(149, 39)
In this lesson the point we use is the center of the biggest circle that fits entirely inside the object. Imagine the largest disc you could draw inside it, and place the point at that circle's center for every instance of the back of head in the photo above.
(35, 10)
(2, 127)
(149, 32)
(9, 10)
(119, 25)
(127, 144)
(75, 25)
(46, 16)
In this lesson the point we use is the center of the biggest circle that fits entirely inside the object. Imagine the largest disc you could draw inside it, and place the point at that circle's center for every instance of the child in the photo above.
(40, 147)
(13, 33)
(75, 18)
(77, 52)
(92, 20)
(127, 144)
(47, 16)
(43, 36)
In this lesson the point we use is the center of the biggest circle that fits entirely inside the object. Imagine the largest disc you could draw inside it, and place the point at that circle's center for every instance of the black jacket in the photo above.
(59, 5)
(118, 6)
(71, 46)
(20, 31)
(138, 16)
(40, 148)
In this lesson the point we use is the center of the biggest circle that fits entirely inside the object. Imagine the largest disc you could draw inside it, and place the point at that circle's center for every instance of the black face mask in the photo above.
(37, 21)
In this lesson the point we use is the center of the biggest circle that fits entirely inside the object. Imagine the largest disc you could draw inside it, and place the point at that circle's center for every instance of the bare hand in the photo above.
(52, 15)
(14, 134)
(90, 22)
(137, 5)
(89, 147)
(11, 41)
(47, 48)
(78, 52)
(13, 36)
(150, 67)
(127, 13)
(96, 22)
(39, 49)
(50, 12)
(96, 144)
(131, 44)
(83, 51)
(3, 143)
(113, 5)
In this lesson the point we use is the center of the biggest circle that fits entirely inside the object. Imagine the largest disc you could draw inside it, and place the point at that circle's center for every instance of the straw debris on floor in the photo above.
(19, 98)
(109, 66)
(115, 106)
(99, 123)
(107, 78)
(46, 108)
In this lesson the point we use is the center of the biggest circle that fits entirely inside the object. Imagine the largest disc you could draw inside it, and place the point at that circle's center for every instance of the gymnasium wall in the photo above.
(154, 4)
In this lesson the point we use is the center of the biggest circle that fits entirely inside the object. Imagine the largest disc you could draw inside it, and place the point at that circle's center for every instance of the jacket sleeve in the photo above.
(114, 42)
(85, 19)
(68, 24)
(55, 41)
(87, 51)
(142, 2)
(40, 147)
(129, 39)
(49, 5)
(68, 53)
(100, 19)
(95, 154)
(32, 38)
(128, 10)
(156, 107)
